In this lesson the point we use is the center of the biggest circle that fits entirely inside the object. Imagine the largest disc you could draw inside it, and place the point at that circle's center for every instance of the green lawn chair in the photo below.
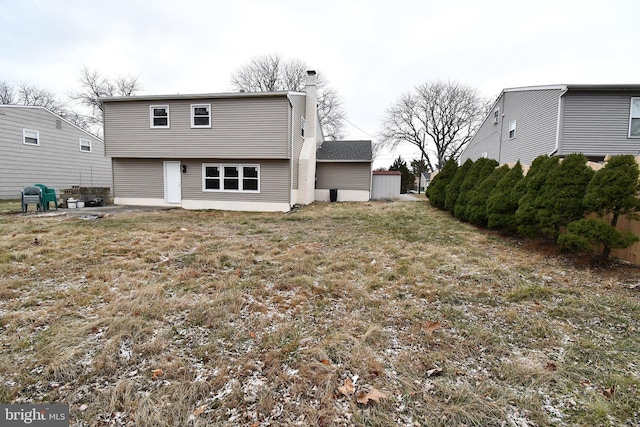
(31, 196)
(48, 195)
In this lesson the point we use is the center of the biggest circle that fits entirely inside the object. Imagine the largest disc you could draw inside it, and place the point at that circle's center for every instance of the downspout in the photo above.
(562, 92)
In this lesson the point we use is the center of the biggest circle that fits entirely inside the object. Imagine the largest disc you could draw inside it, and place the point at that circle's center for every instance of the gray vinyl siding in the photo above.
(597, 123)
(144, 178)
(256, 127)
(343, 175)
(138, 178)
(536, 115)
(57, 162)
(487, 138)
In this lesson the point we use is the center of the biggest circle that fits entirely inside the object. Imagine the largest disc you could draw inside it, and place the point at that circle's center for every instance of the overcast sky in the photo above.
(371, 51)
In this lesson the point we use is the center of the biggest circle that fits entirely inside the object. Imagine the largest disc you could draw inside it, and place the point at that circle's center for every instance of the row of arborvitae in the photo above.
(551, 200)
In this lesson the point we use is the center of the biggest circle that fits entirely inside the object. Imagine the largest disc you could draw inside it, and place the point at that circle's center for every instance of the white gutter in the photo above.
(562, 92)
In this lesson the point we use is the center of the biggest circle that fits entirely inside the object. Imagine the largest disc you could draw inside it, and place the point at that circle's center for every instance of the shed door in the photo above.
(172, 182)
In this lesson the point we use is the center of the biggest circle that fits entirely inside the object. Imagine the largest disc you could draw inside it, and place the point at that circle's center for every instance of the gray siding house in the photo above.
(346, 167)
(595, 120)
(41, 147)
(230, 151)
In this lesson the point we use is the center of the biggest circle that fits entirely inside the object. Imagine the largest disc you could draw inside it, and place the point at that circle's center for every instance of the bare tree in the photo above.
(437, 115)
(7, 93)
(270, 73)
(33, 95)
(94, 86)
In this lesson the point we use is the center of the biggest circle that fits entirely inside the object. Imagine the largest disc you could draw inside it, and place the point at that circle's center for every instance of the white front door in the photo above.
(172, 182)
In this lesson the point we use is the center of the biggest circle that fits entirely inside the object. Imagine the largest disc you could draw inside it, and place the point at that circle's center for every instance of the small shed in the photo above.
(386, 185)
(343, 171)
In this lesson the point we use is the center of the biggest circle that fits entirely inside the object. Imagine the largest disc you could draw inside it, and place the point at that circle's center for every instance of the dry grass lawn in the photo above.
(338, 314)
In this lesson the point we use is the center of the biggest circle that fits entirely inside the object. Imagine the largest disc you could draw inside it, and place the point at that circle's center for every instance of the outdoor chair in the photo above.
(31, 195)
(48, 195)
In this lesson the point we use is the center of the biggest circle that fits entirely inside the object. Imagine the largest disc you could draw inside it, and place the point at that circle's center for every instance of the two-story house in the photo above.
(232, 151)
(595, 120)
(39, 146)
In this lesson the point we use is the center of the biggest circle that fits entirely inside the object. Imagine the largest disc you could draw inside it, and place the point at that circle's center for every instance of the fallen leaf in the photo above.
(432, 327)
(199, 411)
(253, 335)
(157, 373)
(325, 362)
(374, 395)
(347, 389)
(361, 397)
(609, 392)
(434, 371)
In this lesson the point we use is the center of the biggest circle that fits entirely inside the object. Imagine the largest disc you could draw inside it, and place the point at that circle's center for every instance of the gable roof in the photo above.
(18, 106)
(345, 151)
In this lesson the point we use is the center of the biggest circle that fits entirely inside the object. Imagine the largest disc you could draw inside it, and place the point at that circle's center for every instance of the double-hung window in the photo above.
(30, 137)
(159, 116)
(85, 145)
(512, 130)
(200, 115)
(226, 177)
(634, 118)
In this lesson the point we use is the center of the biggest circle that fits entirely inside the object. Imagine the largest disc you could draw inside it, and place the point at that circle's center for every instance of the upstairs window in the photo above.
(201, 115)
(634, 118)
(236, 178)
(496, 116)
(30, 137)
(302, 122)
(85, 145)
(512, 130)
(159, 116)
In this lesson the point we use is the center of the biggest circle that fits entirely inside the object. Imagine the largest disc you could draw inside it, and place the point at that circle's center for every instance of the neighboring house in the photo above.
(421, 181)
(232, 151)
(41, 147)
(596, 120)
(344, 166)
(386, 185)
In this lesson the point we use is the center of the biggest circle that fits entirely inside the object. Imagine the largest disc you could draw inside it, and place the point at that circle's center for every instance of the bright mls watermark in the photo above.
(34, 415)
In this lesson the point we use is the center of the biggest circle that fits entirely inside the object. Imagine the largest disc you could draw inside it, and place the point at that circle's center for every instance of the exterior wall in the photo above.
(343, 196)
(248, 127)
(386, 187)
(536, 116)
(56, 162)
(487, 138)
(298, 112)
(343, 176)
(596, 123)
(141, 181)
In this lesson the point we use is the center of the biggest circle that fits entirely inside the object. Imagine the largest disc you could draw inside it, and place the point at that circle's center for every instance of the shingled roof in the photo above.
(345, 151)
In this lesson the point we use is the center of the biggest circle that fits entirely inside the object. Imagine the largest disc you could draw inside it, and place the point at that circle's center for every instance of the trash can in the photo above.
(333, 194)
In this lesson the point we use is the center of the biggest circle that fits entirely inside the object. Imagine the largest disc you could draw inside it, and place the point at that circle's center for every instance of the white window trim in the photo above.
(24, 136)
(151, 116)
(221, 167)
(515, 129)
(87, 142)
(193, 107)
(302, 123)
(496, 117)
(631, 117)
